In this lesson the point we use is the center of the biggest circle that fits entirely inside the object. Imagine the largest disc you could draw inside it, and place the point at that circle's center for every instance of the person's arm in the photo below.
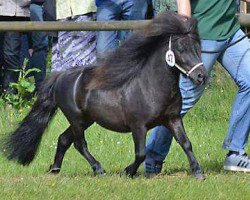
(23, 3)
(184, 7)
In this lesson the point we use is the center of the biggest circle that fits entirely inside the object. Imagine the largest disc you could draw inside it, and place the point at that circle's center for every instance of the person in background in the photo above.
(218, 28)
(110, 10)
(74, 48)
(39, 48)
(12, 11)
(1, 60)
(26, 48)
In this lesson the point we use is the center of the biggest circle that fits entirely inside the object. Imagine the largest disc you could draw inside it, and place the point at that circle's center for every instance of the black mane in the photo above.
(123, 64)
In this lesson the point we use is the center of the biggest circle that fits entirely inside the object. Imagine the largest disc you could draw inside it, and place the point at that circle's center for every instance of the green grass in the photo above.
(206, 126)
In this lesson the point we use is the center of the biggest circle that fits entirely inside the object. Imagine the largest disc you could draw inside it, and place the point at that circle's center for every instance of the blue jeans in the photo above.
(39, 46)
(236, 61)
(110, 10)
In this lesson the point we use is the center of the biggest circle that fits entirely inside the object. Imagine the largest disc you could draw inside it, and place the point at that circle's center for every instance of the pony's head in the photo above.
(182, 42)
(187, 50)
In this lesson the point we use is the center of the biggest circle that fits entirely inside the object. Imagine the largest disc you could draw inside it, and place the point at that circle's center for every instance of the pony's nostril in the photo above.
(201, 78)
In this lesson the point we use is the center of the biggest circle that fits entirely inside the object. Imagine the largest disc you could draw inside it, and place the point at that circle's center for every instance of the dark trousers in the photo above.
(39, 46)
(1, 58)
(11, 53)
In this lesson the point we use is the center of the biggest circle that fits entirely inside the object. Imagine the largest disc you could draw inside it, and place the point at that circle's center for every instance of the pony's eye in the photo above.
(180, 48)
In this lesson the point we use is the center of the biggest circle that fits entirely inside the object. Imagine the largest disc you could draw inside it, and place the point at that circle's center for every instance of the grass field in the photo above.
(206, 126)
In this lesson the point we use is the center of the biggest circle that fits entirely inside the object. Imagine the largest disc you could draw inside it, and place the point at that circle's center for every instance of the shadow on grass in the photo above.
(214, 167)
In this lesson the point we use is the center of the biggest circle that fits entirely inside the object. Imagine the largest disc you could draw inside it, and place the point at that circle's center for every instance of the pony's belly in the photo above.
(109, 118)
(114, 127)
(105, 108)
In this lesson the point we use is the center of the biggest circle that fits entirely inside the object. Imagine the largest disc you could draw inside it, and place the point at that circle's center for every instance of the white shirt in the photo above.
(70, 8)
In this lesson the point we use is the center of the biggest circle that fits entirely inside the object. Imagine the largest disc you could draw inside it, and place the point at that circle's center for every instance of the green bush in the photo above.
(24, 89)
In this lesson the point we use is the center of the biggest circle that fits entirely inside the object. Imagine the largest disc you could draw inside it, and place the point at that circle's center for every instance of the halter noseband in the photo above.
(190, 71)
(170, 59)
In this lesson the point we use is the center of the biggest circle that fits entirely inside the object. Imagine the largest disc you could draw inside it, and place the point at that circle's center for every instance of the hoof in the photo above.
(98, 170)
(124, 174)
(129, 172)
(199, 175)
(53, 170)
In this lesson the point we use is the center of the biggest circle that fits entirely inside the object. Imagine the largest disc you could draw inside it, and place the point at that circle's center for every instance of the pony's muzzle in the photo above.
(199, 75)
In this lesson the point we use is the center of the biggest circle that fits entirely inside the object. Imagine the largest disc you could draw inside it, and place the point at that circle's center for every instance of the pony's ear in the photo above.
(191, 25)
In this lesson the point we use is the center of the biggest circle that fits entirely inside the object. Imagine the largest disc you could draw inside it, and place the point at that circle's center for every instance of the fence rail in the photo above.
(72, 26)
(244, 20)
(87, 26)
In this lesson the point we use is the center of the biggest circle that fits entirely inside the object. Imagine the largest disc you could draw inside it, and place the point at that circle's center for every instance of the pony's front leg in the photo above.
(176, 126)
(139, 137)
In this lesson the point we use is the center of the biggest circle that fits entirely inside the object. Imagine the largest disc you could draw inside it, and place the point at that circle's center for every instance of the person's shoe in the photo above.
(152, 168)
(237, 162)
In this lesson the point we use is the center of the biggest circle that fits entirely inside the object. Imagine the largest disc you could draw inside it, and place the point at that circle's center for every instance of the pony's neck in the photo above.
(160, 67)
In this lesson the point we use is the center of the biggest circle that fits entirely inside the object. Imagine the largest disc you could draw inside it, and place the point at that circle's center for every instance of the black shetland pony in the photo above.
(132, 89)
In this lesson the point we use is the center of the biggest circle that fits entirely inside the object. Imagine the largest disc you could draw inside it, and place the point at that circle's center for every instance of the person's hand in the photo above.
(23, 3)
(31, 52)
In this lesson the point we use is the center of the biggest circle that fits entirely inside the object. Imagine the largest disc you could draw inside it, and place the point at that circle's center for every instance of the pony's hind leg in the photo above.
(176, 126)
(64, 142)
(139, 137)
(81, 145)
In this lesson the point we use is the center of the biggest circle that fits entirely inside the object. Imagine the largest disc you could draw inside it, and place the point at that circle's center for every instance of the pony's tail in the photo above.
(22, 144)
